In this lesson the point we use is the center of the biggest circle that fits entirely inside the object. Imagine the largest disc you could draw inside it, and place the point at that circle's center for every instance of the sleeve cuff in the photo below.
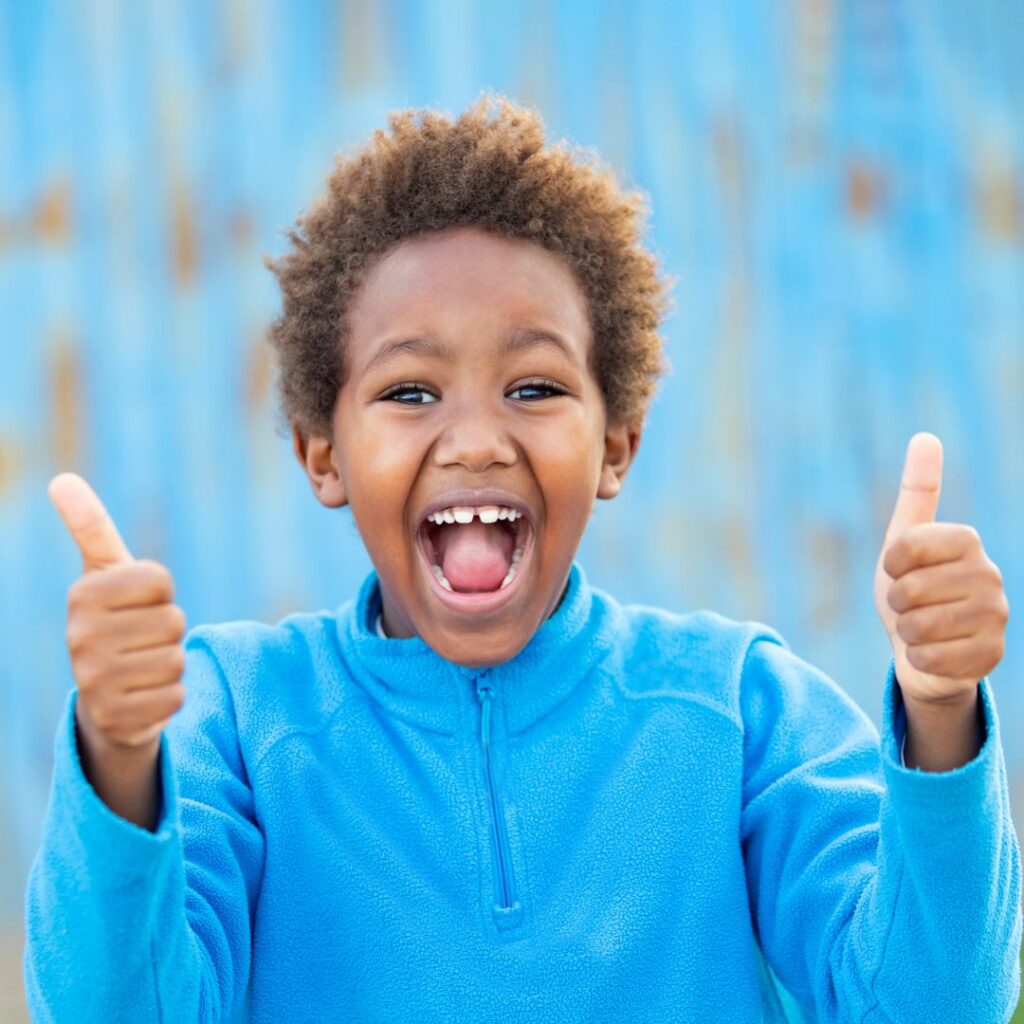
(948, 792)
(118, 850)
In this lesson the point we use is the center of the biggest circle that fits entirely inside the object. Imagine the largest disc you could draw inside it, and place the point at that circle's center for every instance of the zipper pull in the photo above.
(485, 694)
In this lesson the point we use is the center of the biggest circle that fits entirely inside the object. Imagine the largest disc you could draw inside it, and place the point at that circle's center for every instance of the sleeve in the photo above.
(126, 924)
(878, 892)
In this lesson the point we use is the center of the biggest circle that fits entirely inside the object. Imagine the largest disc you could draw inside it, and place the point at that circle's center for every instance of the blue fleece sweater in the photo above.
(609, 827)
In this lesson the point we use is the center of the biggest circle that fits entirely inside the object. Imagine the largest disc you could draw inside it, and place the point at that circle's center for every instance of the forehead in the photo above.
(466, 278)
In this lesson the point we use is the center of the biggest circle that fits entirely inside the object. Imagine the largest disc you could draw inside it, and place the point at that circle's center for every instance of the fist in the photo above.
(124, 634)
(938, 594)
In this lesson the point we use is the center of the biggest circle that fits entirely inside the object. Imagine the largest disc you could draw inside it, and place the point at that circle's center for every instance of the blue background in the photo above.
(838, 189)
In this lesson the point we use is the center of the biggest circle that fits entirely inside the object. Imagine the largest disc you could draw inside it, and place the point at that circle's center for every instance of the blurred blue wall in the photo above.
(838, 187)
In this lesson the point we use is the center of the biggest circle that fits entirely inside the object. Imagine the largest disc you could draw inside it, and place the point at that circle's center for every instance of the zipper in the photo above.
(499, 840)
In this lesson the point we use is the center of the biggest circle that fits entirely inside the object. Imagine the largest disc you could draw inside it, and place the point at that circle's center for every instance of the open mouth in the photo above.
(475, 550)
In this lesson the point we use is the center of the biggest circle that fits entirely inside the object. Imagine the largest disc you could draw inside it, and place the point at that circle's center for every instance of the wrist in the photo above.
(939, 707)
(99, 744)
(943, 734)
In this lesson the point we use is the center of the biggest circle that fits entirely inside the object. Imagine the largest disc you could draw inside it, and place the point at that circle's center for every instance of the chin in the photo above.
(480, 651)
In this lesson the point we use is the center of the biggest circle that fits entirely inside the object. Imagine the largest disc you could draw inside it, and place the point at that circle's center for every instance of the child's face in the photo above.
(454, 399)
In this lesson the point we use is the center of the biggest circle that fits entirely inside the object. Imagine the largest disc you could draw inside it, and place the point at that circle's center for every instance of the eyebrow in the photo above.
(529, 337)
(415, 346)
(519, 339)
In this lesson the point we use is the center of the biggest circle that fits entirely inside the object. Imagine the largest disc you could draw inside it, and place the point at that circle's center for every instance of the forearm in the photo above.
(941, 737)
(944, 911)
(107, 933)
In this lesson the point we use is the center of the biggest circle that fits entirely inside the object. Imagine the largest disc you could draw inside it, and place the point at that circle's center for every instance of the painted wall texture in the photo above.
(837, 187)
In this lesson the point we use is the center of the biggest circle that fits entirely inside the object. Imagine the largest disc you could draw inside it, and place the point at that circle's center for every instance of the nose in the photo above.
(476, 438)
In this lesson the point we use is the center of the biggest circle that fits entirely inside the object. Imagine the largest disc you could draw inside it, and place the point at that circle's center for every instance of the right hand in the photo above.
(123, 633)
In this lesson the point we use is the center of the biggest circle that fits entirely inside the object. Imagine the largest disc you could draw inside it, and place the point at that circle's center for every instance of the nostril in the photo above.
(475, 447)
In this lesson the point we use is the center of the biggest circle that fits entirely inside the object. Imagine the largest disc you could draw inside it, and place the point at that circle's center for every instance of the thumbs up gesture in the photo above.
(939, 596)
(123, 632)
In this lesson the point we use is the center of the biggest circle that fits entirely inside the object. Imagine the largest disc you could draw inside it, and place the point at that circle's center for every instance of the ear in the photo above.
(620, 445)
(316, 456)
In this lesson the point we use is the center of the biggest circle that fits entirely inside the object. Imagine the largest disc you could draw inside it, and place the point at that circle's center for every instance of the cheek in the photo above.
(567, 462)
(378, 466)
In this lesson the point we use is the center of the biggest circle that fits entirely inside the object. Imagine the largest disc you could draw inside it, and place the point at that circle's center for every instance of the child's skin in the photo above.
(484, 409)
(527, 422)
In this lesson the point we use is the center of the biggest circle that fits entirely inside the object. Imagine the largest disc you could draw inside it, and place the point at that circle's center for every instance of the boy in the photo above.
(484, 790)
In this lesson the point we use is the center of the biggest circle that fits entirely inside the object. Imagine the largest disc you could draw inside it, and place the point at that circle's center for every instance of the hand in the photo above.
(123, 633)
(939, 596)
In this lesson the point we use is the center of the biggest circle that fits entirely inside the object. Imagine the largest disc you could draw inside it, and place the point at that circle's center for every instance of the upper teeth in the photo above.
(465, 513)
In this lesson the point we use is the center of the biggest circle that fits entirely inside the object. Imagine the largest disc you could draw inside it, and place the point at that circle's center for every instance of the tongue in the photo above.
(476, 556)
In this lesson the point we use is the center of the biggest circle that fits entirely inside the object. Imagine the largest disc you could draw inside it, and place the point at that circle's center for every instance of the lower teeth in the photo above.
(517, 557)
(439, 573)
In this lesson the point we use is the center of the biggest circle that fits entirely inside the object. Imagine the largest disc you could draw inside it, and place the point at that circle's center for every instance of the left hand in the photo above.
(938, 594)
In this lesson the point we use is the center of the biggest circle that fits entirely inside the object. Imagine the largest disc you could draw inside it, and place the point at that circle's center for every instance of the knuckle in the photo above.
(910, 589)
(177, 621)
(921, 656)
(907, 627)
(998, 649)
(942, 622)
(1002, 610)
(914, 590)
(77, 634)
(158, 577)
(164, 580)
(176, 697)
(915, 542)
(895, 556)
(87, 674)
(104, 717)
(81, 593)
(176, 661)
(994, 571)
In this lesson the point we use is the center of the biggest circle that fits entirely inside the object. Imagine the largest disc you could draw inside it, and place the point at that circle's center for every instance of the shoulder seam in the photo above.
(668, 693)
(297, 730)
(202, 636)
(330, 638)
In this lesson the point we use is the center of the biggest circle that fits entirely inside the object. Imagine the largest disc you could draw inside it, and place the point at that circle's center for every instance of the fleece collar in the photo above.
(409, 680)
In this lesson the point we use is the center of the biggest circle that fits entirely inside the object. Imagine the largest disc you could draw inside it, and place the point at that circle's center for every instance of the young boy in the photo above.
(484, 790)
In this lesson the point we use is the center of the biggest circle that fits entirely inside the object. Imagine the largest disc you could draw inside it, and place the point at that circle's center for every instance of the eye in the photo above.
(535, 390)
(409, 393)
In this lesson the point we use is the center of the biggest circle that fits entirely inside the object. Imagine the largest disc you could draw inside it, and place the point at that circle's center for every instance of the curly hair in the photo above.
(492, 172)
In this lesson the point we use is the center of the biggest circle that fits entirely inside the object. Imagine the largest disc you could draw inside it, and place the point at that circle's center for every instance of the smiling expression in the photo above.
(469, 388)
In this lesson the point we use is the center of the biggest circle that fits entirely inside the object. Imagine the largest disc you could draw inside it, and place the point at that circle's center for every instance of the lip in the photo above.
(491, 496)
(477, 603)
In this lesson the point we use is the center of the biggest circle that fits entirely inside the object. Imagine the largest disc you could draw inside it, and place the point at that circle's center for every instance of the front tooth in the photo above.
(463, 515)
(448, 516)
(503, 513)
(488, 514)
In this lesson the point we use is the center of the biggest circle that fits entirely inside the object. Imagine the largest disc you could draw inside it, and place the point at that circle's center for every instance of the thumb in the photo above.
(88, 522)
(918, 499)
